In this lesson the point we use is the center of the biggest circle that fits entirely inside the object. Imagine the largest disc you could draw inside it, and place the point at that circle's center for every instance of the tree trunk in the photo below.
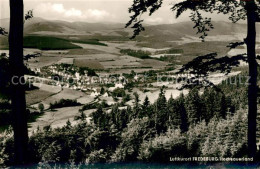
(252, 88)
(17, 88)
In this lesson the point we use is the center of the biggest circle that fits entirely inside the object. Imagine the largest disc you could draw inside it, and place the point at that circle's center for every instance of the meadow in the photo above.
(48, 43)
(51, 42)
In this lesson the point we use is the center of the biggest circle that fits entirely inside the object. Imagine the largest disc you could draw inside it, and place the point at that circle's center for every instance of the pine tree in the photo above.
(136, 109)
(146, 111)
(193, 105)
(100, 118)
(237, 10)
(161, 113)
(122, 119)
(184, 124)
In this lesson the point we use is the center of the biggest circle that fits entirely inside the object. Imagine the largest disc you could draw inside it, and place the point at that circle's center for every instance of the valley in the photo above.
(98, 63)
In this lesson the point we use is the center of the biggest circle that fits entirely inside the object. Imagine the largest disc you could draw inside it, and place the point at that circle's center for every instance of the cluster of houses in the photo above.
(71, 77)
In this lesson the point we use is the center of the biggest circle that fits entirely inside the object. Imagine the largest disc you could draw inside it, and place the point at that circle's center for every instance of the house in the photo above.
(94, 94)
(77, 75)
(105, 95)
(136, 77)
(119, 85)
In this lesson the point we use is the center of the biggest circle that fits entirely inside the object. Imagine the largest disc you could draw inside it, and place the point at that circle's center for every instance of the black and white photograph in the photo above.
(129, 84)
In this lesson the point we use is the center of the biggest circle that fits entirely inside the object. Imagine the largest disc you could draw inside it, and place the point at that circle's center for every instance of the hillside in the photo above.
(41, 26)
(154, 36)
(172, 31)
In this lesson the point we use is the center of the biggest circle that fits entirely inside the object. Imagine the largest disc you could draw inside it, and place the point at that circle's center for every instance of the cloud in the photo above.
(73, 12)
(157, 20)
(97, 13)
(58, 11)
(58, 7)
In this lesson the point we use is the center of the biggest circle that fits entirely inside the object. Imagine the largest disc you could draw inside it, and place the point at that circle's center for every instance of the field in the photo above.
(57, 118)
(57, 96)
(83, 52)
(36, 96)
(117, 57)
(88, 41)
(92, 64)
(43, 61)
(48, 43)
(109, 53)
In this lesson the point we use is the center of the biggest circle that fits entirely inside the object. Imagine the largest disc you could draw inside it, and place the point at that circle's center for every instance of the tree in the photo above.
(237, 10)
(41, 107)
(183, 114)
(100, 118)
(193, 106)
(102, 91)
(146, 111)
(161, 112)
(136, 108)
(18, 89)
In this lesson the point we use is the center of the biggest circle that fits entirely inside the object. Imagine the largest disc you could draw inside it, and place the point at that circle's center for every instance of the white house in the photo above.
(105, 94)
(119, 85)
(94, 94)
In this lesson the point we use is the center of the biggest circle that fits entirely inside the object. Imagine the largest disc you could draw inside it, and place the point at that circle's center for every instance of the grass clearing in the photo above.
(92, 64)
(170, 51)
(36, 96)
(83, 52)
(88, 41)
(48, 43)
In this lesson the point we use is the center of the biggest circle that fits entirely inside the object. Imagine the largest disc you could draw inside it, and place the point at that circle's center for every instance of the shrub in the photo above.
(64, 103)
(161, 148)
(136, 53)
(97, 156)
(6, 147)
(41, 107)
(137, 131)
(226, 138)
(118, 93)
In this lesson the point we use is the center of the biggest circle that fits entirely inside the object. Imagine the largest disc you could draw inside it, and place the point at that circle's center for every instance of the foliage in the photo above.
(97, 156)
(64, 103)
(137, 131)
(41, 107)
(5, 76)
(118, 92)
(161, 148)
(142, 133)
(90, 72)
(226, 138)
(136, 53)
(6, 145)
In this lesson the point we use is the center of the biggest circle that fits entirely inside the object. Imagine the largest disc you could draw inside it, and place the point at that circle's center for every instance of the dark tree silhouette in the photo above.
(15, 70)
(237, 10)
(17, 86)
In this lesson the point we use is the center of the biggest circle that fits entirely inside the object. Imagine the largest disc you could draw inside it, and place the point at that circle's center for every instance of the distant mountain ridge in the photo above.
(168, 31)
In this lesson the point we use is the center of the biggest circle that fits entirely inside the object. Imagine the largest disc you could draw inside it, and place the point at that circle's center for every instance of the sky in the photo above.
(94, 11)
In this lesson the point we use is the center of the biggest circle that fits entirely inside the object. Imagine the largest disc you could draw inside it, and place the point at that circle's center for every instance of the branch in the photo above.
(29, 15)
(200, 67)
(3, 32)
(138, 8)
(233, 45)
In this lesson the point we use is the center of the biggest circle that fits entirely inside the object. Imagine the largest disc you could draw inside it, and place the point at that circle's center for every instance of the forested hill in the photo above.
(170, 31)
